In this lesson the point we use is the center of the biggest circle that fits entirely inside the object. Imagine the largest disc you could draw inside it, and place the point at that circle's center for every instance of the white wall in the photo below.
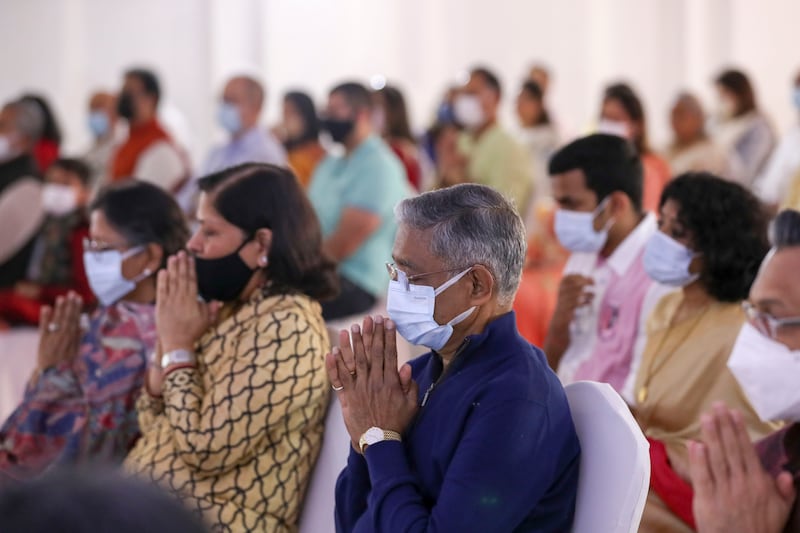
(66, 48)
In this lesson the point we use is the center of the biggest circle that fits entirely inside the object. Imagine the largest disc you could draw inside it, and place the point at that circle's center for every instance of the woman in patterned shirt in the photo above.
(79, 403)
(232, 419)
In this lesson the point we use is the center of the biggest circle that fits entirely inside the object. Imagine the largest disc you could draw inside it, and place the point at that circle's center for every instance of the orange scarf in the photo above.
(140, 138)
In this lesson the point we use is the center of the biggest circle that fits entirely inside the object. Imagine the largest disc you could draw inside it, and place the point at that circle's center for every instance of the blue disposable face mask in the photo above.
(104, 272)
(667, 261)
(229, 117)
(412, 311)
(99, 123)
(796, 98)
(575, 229)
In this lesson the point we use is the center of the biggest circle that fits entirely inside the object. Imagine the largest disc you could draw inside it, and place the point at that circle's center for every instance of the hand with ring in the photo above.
(59, 331)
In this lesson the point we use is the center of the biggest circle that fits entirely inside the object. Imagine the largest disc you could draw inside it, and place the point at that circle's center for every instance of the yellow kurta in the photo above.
(237, 437)
(686, 364)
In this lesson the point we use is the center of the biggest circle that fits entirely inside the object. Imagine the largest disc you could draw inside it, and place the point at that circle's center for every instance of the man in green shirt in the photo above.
(493, 157)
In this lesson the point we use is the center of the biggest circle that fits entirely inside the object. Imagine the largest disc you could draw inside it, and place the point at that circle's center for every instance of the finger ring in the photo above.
(337, 389)
(52, 327)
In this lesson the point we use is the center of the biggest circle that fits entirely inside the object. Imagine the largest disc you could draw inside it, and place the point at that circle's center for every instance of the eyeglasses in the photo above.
(393, 274)
(97, 248)
(765, 323)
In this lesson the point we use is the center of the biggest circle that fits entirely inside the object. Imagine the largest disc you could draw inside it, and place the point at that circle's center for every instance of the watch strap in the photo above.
(387, 435)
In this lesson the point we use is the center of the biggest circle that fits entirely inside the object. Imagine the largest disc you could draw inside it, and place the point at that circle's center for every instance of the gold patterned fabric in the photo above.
(237, 437)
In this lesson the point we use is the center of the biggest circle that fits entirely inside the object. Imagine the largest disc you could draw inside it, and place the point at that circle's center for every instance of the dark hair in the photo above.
(610, 163)
(630, 102)
(148, 79)
(75, 166)
(490, 78)
(51, 131)
(728, 225)
(397, 125)
(535, 91)
(305, 108)
(356, 95)
(786, 229)
(144, 213)
(739, 84)
(254, 196)
(92, 501)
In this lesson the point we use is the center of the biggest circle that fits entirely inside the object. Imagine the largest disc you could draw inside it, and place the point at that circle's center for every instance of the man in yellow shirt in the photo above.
(492, 156)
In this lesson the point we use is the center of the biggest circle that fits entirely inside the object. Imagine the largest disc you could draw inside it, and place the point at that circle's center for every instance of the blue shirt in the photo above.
(254, 146)
(493, 449)
(371, 178)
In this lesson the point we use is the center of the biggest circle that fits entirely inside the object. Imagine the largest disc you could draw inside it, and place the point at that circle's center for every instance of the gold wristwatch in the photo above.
(374, 435)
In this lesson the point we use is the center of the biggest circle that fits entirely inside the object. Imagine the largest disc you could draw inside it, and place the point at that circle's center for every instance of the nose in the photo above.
(195, 243)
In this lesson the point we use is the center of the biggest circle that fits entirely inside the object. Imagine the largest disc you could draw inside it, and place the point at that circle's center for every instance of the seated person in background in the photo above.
(622, 113)
(299, 132)
(492, 156)
(21, 124)
(79, 403)
(236, 397)
(692, 150)
(149, 153)
(598, 327)
(739, 487)
(56, 265)
(477, 434)
(354, 195)
(107, 134)
(91, 501)
(47, 148)
(391, 122)
(712, 237)
(238, 114)
(538, 136)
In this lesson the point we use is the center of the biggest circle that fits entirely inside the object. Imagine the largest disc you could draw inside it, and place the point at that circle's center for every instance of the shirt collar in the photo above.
(629, 250)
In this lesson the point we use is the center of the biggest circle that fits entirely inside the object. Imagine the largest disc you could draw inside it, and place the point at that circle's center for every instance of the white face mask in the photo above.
(767, 371)
(614, 127)
(59, 200)
(727, 108)
(468, 111)
(6, 150)
(575, 230)
(412, 311)
(104, 272)
(667, 261)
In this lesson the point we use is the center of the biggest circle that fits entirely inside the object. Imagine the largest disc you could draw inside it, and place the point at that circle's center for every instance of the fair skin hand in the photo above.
(374, 393)
(733, 493)
(573, 292)
(59, 332)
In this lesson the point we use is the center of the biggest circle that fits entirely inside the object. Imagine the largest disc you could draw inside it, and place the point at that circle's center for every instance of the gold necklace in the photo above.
(652, 369)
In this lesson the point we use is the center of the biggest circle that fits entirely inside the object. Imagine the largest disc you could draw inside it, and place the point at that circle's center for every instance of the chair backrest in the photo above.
(319, 504)
(615, 461)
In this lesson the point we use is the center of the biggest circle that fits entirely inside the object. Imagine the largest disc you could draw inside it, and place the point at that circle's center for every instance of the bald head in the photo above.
(247, 95)
(688, 119)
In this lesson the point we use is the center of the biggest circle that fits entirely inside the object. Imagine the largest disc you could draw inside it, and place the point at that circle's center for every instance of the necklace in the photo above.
(652, 368)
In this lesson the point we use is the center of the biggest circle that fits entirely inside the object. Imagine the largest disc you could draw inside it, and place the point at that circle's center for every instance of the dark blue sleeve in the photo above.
(352, 489)
(505, 462)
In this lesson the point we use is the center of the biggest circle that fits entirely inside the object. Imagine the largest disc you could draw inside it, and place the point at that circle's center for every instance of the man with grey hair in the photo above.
(475, 435)
(21, 212)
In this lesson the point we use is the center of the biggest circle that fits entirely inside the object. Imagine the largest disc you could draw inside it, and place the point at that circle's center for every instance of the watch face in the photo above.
(373, 435)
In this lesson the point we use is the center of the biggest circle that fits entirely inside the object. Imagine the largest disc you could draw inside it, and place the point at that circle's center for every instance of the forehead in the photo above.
(338, 101)
(570, 183)
(100, 229)
(613, 108)
(777, 280)
(412, 250)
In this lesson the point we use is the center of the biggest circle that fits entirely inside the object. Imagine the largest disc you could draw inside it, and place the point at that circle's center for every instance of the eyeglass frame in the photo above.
(392, 269)
(765, 323)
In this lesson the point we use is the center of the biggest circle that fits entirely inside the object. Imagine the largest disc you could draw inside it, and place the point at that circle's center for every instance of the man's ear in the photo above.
(482, 285)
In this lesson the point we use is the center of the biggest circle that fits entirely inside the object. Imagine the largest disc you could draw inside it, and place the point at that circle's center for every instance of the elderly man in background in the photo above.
(238, 114)
(107, 135)
(21, 211)
(477, 434)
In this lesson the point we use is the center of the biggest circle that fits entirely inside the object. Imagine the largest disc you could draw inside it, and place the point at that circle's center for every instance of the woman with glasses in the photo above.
(712, 238)
(79, 403)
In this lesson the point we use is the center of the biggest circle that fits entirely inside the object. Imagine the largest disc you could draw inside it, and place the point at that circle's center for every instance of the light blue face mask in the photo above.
(412, 311)
(667, 261)
(575, 229)
(796, 97)
(229, 118)
(98, 123)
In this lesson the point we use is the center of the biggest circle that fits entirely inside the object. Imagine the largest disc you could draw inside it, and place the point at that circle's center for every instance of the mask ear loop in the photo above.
(599, 209)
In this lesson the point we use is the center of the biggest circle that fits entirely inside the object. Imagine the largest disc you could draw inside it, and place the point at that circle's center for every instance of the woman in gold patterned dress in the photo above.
(236, 394)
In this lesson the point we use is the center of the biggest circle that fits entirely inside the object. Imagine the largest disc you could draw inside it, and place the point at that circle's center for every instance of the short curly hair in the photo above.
(728, 226)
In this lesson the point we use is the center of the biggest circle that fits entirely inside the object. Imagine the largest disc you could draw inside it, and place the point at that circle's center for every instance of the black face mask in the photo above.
(338, 129)
(125, 105)
(223, 279)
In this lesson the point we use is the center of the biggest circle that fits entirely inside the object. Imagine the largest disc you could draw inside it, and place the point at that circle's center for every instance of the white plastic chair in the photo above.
(615, 461)
(18, 348)
(319, 504)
